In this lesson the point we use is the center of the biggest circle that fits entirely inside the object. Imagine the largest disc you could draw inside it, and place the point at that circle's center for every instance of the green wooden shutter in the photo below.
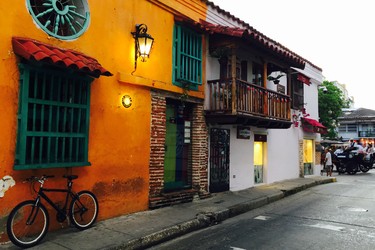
(53, 119)
(187, 57)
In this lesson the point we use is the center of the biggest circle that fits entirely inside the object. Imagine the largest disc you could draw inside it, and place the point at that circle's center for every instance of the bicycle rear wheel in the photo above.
(84, 210)
(27, 224)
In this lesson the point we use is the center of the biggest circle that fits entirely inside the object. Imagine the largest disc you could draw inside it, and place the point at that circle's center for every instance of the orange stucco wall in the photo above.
(119, 140)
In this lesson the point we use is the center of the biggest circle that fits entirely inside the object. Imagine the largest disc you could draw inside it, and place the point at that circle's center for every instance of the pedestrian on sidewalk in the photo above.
(328, 162)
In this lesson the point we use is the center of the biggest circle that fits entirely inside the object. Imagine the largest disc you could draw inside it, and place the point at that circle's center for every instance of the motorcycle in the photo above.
(352, 161)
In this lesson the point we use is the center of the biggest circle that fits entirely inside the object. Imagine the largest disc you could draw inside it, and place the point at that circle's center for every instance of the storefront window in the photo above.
(308, 156)
(258, 162)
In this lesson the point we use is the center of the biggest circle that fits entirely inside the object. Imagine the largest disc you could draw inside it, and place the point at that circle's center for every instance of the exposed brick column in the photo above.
(158, 131)
(199, 151)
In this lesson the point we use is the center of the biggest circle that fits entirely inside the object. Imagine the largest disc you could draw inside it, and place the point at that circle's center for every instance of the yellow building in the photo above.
(75, 99)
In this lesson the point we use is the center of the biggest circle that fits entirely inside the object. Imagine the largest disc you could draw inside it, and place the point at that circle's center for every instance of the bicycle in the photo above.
(28, 222)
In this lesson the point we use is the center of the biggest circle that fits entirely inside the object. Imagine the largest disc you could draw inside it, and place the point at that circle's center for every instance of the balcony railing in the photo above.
(367, 133)
(247, 99)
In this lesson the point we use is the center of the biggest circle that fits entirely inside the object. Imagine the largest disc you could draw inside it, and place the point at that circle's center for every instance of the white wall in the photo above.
(213, 16)
(241, 169)
(241, 161)
(283, 159)
(212, 73)
(311, 92)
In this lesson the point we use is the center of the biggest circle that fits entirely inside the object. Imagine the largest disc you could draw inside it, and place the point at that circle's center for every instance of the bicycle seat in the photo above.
(70, 177)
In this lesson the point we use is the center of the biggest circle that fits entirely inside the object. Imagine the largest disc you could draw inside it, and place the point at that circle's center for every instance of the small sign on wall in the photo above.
(280, 89)
(243, 132)
(262, 138)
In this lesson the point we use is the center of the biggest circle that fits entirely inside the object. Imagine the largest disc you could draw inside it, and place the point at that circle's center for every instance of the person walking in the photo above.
(328, 162)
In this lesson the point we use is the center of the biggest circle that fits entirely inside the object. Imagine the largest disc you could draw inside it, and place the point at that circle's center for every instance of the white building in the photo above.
(259, 131)
(357, 124)
(345, 92)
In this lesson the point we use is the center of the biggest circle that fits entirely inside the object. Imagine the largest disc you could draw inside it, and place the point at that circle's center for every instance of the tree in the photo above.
(331, 102)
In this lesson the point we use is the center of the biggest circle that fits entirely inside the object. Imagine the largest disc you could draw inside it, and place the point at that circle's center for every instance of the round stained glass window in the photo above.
(63, 19)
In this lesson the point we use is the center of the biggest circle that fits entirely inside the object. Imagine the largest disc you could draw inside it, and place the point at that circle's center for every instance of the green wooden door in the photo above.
(170, 146)
(177, 147)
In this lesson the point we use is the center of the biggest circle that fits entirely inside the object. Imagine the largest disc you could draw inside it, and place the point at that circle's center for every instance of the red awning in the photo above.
(33, 50)
(313, 126)
(303, 78)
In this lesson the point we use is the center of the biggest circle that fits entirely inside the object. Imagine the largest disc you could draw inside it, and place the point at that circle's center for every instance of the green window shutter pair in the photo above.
(53, 119)
(187, 57)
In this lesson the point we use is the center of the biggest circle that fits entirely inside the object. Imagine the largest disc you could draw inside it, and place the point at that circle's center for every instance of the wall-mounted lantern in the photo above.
(143, 43)
(127, 101)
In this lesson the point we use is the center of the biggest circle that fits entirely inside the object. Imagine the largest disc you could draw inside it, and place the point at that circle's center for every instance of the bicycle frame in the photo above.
(68, 191)
(28, 222)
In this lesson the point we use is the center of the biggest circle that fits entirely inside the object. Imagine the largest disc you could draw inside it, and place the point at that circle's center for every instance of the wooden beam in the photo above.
(233, 75)
(265, 97)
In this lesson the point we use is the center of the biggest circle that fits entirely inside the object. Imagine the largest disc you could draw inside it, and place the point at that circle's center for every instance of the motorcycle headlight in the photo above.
(351, 156)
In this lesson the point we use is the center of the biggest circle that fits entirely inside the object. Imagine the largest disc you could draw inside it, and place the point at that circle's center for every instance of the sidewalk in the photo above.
(145, 229)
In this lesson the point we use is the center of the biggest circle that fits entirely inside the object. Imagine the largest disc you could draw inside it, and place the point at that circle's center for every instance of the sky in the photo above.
(335, 35)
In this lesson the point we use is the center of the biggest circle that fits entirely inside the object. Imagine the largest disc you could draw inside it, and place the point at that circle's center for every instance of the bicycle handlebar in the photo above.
(36, 178)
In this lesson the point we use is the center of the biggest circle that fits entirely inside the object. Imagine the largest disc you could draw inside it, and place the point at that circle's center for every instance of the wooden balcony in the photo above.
(246, 104)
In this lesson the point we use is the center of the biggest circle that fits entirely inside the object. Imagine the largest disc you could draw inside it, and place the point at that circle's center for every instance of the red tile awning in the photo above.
(33, 50)
(313, 126)
(252, 34)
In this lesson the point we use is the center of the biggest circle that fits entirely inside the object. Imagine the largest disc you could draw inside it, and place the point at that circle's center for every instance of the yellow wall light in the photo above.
(127, 101)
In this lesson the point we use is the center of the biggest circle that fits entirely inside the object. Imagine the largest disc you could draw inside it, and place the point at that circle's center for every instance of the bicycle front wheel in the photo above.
(27, 224)
(84, 210)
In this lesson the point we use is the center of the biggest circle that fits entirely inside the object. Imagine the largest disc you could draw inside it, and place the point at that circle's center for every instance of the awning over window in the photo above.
(302, 76)
(304, 79)
(313, 126)
(33, 50)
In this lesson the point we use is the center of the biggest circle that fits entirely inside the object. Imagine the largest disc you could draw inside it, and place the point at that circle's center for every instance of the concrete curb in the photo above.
(205, 220)
(165, 234)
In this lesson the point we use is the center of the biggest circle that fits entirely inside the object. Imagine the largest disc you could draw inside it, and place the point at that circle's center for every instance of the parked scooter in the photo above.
(353, 160)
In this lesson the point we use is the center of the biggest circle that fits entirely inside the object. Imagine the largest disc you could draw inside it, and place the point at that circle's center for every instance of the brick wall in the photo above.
(199, 173)
(158, 130)
(200, 151)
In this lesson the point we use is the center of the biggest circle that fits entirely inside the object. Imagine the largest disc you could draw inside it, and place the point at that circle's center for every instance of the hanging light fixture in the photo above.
(143, 43)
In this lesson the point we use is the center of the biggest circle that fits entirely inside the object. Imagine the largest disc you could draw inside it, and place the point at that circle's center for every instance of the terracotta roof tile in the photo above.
(254, 35)
(33, 50)
(360, 113)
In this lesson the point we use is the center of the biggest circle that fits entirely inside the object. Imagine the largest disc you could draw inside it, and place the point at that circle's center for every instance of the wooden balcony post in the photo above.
(233, 76)
(265, 96)
(289, 93)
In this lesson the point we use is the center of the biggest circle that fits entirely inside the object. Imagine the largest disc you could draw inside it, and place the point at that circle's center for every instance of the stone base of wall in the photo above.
(204, 194)
(173, 198)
